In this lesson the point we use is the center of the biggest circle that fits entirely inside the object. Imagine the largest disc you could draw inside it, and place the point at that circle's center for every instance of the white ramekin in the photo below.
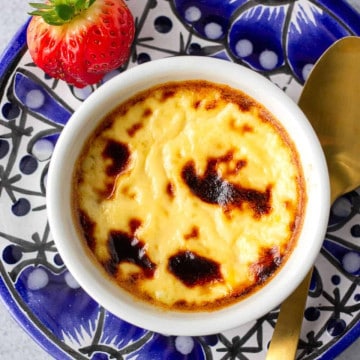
(91, 277)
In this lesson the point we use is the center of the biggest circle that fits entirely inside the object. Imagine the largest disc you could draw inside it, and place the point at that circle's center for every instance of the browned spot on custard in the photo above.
(104, 126)
(192, 269)
(267, 117)
(242, 128)
(128, 192)
(207, 105)
(119, 156)
(87, 228)
(210, 105)
(127, 247)
(290, 206)
(292, 226)
(243, 102)
(139, 98)
(181, 304)
(79, 178)
(193, 234)
(197, 104)
(133, 279)
(233, 166)
(134, 224)
(134, 129)
(239, 165)
(269, 261)
(246, 128)
(170, 189)
(213, 189)
(167, 94)
(147, 112)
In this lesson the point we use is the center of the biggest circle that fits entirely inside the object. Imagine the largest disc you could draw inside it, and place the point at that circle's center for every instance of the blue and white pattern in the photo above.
(280, 39)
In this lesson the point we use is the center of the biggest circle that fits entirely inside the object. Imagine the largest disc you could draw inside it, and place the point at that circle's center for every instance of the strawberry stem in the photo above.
(60, 12)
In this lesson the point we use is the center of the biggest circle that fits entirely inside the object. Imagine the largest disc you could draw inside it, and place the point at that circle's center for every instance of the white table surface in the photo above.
(15, 343)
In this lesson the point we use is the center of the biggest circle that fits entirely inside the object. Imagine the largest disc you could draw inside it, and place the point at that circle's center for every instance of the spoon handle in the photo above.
(285, 339)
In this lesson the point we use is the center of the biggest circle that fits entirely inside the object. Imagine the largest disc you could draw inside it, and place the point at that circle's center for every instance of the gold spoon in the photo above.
(331, 101)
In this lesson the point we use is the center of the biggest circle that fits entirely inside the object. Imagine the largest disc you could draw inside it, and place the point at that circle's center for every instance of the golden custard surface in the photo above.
(190, 195)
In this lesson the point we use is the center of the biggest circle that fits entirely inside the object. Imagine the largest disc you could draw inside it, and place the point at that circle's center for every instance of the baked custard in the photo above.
(190, 195)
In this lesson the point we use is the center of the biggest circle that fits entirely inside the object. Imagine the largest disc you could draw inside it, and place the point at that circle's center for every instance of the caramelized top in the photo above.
(190, 195)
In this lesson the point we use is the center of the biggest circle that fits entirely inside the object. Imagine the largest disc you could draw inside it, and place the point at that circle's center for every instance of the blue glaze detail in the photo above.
(28, 164)
(21, 207)
(42, 102)
(259, 37)
(12, 254)
(4, 148)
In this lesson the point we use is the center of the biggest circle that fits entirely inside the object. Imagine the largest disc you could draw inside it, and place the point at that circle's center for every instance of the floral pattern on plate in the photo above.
(281, 40)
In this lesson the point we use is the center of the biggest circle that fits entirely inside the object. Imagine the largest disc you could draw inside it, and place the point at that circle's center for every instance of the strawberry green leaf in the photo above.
(65, 12)
(59, 12)
(80, 4)
(40, 6)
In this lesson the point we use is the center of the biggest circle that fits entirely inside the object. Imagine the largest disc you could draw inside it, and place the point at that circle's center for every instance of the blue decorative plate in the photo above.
(280, 39)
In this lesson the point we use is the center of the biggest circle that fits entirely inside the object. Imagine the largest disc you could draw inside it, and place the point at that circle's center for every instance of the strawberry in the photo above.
(79, 41)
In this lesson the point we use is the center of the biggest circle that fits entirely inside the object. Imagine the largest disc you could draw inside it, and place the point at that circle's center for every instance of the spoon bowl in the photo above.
(335, 115)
